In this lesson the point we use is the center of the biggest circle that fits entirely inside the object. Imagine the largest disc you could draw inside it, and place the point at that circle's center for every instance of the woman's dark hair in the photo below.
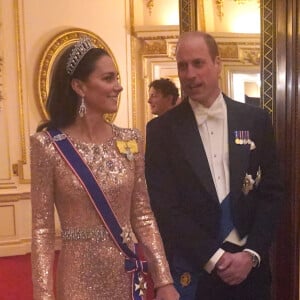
(62, 101)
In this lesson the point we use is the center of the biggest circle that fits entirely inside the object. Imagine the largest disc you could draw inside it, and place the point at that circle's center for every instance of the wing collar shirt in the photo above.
(213, 129)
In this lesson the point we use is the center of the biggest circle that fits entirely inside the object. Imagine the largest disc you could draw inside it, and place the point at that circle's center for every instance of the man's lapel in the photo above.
(187, 133)
(238, 154)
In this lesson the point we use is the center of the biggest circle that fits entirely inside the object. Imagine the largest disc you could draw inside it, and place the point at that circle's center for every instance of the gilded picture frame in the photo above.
(51, 53)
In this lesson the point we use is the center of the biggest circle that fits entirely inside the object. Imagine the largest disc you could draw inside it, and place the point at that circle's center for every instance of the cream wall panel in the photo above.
(106, 18)
(10, 149)
(156, 12)
(7, 217)
(27, 27)
(4, 147)
(5, 173)
(163, 12)
(231, 16)
(15, 224)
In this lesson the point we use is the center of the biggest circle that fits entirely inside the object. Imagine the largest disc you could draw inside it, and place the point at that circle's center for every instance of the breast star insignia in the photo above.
(127, 235)
(248, 184)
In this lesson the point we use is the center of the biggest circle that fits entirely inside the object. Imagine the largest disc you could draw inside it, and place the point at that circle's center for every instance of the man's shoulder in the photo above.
(41, 137)
(245, 109)
(171, 115)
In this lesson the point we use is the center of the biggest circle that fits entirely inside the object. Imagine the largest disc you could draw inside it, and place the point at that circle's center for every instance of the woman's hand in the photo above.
(167, 292)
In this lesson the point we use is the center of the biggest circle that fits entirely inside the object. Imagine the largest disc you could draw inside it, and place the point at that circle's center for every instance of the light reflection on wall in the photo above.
(245, 84)
(249, 22)
(232, 17)
(163, 12)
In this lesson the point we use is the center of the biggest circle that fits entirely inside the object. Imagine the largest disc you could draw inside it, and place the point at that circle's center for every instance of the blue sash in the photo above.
(226, 224)
(182, 270)
(133, 264)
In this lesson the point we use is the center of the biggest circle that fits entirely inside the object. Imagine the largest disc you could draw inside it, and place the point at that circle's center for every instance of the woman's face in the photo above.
(102, 87)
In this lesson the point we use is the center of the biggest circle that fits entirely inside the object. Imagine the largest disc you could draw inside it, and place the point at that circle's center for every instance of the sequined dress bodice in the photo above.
(90, 265)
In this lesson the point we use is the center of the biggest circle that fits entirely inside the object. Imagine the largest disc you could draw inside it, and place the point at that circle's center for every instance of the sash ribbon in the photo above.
(133, 264)
(226, 224)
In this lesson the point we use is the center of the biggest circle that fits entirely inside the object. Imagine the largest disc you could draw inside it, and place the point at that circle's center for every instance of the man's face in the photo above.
(159, 104)
(197, 71)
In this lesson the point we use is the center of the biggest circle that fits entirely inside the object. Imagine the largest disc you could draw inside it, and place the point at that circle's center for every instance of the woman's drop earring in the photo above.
(82, 108)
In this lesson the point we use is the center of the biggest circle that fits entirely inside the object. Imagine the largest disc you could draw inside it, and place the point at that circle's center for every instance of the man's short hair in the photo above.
(166, 87)
(208, 39)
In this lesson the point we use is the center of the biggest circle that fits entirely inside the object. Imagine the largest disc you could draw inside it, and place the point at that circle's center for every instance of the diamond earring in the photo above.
(82, 108)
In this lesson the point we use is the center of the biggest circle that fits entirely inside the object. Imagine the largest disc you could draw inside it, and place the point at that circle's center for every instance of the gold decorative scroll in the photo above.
(246, 53)
(220, 5)
(150, 4)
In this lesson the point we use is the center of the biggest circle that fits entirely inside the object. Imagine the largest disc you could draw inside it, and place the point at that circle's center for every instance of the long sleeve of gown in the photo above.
(145, 226)
(43, 229)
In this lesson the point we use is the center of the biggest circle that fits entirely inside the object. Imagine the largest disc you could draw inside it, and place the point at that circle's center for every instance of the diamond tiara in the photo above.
(82, 46)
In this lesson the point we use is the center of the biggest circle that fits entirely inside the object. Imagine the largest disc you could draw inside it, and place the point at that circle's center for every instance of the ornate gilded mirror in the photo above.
(53, 50)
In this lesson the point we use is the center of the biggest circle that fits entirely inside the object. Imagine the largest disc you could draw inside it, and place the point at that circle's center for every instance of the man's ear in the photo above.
(218, 63)
(77, 86)
(170, 99)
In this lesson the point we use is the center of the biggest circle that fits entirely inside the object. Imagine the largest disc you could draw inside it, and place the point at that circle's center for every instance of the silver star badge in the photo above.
(248, 184)
(127, 235)
(126, 232)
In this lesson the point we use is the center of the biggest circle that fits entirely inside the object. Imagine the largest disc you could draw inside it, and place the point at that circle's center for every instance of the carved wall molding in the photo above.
(250, 55)
(188, 15)
(151, 47)
(154, 47)
(267, 67)
(242, 48)
(14, 197)
(240, 52)
(7, 186)
(17, 9)
(157, 40)
(22, 93)
(159, 47)
(155, 32)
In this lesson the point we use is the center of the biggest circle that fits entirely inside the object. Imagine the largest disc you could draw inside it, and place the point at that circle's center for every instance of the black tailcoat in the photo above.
(182, 191)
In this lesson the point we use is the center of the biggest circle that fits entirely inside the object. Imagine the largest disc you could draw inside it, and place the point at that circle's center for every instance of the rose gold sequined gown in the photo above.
(90, 266)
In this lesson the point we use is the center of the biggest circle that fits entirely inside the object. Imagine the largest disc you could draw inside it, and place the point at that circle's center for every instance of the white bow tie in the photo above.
(202, 113)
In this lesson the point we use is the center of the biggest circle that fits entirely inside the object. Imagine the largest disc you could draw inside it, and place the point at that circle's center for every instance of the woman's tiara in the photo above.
(82, 46)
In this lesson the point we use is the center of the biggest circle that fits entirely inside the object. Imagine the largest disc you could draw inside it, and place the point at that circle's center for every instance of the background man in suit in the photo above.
(163, 95)
(214, 184)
